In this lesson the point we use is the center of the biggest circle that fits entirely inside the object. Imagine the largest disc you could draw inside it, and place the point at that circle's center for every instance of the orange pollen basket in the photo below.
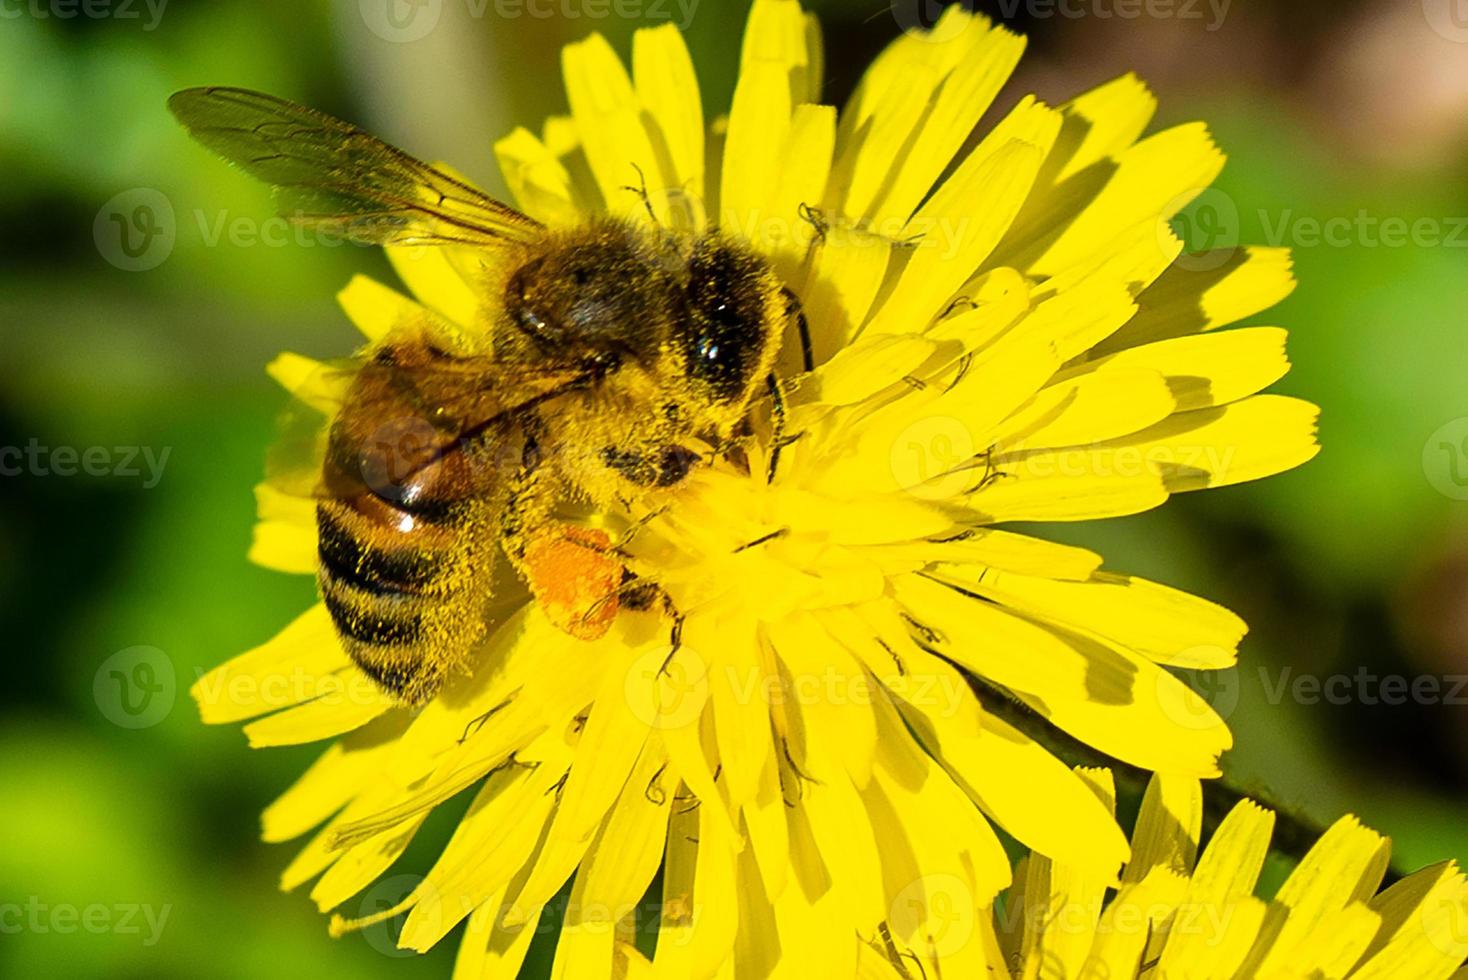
(575, 579)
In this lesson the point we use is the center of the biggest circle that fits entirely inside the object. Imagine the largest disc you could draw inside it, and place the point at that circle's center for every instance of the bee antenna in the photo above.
(641, 191)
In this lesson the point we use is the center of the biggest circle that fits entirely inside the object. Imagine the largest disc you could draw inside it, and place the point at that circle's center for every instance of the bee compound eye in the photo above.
(675, 464)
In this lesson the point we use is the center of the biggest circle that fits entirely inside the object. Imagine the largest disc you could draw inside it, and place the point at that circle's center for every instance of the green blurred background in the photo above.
(1352, 113)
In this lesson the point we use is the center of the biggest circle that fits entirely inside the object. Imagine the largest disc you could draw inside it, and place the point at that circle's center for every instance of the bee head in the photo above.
(728, 339)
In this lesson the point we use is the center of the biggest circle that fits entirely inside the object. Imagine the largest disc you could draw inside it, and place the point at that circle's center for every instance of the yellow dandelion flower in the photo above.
(1175, 913)
(999, 333)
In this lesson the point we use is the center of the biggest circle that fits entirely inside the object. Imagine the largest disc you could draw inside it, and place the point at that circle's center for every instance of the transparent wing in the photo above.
(417, 397)
(330, 175)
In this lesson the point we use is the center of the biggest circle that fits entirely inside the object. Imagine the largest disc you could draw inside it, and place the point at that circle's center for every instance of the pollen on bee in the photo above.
(575, 578)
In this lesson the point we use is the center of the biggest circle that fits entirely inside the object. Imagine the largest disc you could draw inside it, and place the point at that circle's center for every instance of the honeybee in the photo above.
(607, 361)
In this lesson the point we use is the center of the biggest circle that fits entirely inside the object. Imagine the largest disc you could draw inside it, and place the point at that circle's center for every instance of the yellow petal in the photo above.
(766, 829)
(430, 273)
(1166, 625)
(771, 77)
(1101, 693)
(309, 381)
(787, 232)
(344, 702)
(668, 89)
(1072, 899)
(1102, 123)
(1424, 931)
(1155, 178)
(1139, 912)
(1026, 790)
(1346, 865)
(1048, 491)
(295, 666)
(490, 951)
(1218, 919)
(861, 369)
(360, 865)
(609, 122)
(917, 103)
(619, 866)
(608, 748)
(491, 845)
(960, 226)
(952, 107)
(1194, 297)
(1216, 447)
(375, 309)
(1205, 370)
(710, 906)
(284, 539)
(1090, 408)
(1168, 827)
(941, 864)
(1332, 946)
(330, 783)
(1230, 864)
(846, 271)
(1005, 550)
(537, 178)
(326, 847)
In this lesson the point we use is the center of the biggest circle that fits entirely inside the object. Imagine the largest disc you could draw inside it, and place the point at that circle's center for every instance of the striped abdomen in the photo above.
(400, 569)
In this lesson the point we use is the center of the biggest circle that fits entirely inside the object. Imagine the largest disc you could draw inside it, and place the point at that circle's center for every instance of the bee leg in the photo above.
(795, 312)
(637, 526)
(640, 595)
(570, 570)
(778, 439)
(475, 724)
(675, 634)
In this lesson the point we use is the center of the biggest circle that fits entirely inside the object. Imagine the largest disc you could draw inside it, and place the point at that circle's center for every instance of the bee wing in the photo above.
(449, 402)
(293, 461)
(330, 175)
